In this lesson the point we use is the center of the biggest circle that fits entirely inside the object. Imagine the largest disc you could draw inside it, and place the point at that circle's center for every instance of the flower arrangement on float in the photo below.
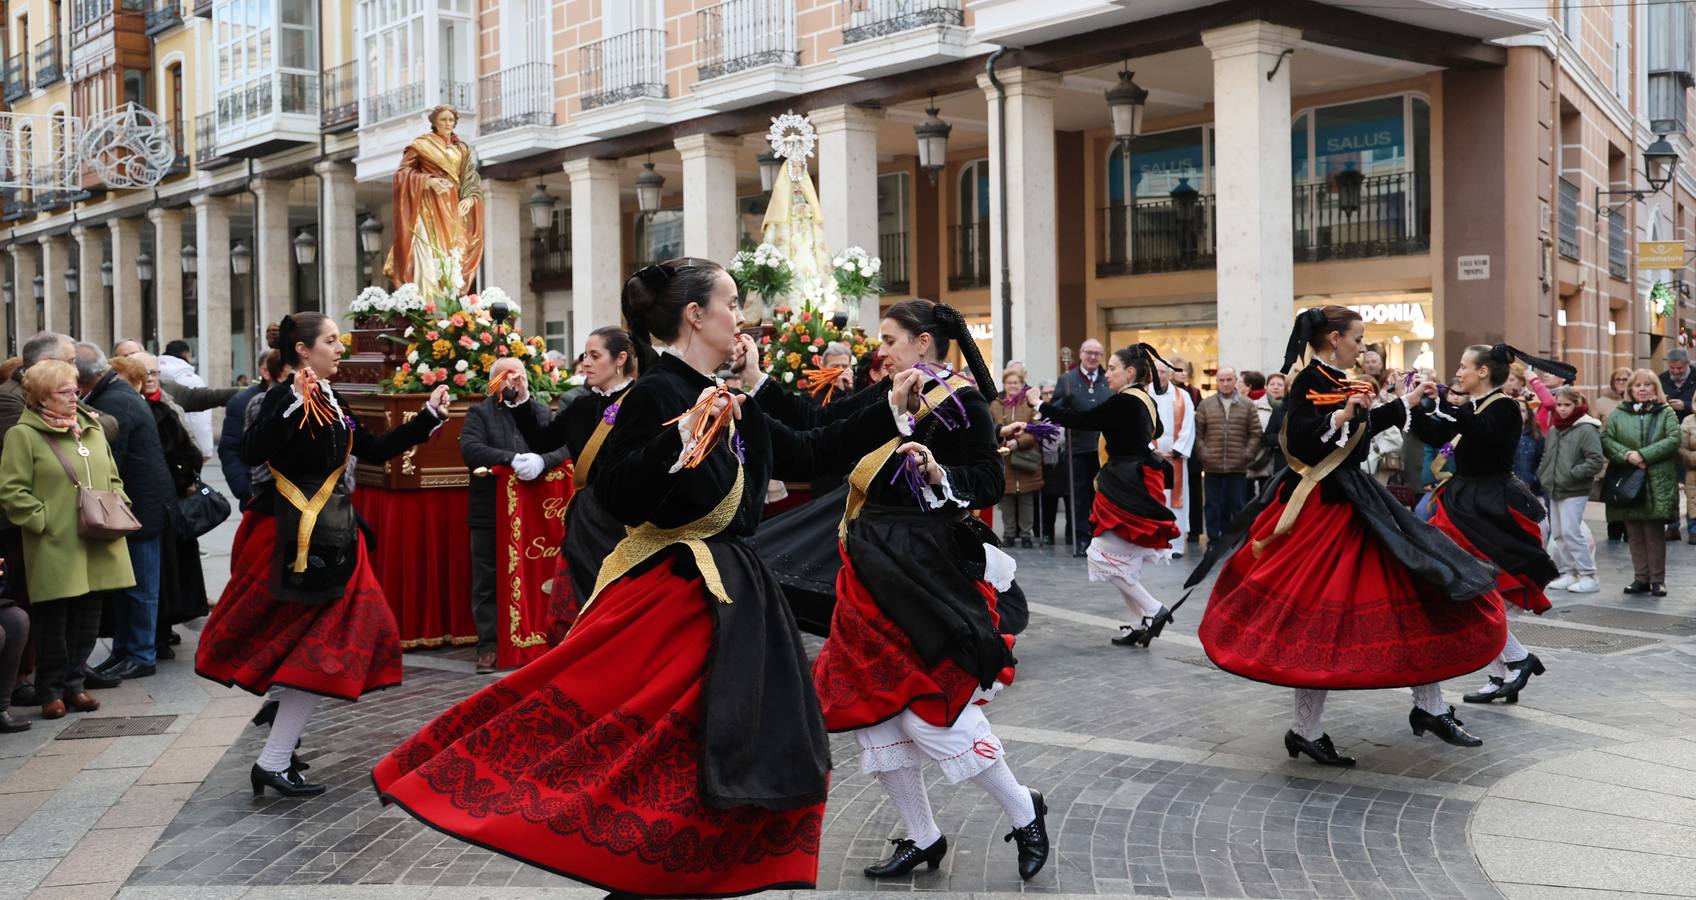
(816, 314)
(455, 340)
(794, 353)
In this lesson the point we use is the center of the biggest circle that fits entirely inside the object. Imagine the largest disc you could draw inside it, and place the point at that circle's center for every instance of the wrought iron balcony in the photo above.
(550, 254)
(389, 104)
(521, 95)
(16, 73)
(49, 65)
(205, 138)
(460, 95)
(14, 204)
(743, 34)
(163, 15)
(892, 250)
(869, 19)
(179, 147)
(1172, 234)
(623, 67)
(1353, 217)
(339, 105)
(968, 256)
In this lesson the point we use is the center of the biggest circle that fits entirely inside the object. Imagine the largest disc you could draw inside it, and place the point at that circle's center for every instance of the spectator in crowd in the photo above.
(870, 369)
(1228, 440)
(1021, 458)
(1543, 386)
(1183, 376)
(1083, 389)
(1253, 384)
(1643, 433)
(1372, 365)
(243, 380)
(10, 366)
(1603, 408)
(176, 365)
(141, 465)
(125, 348)
(235, 417)
(1271, 409)
(14, 636)
(66, 571)
(1687, 455)
(182, 583)
(1528, 453)
(1176, 444)
(1572, 458)
(491, 438)
(1676, 383)
(1055, 481)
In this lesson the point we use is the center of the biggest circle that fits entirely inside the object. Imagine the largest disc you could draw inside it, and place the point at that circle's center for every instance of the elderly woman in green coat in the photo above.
(66, 572)
(1643, 432)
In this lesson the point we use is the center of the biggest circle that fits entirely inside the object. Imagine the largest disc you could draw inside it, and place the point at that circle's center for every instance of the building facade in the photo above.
(1444, 167)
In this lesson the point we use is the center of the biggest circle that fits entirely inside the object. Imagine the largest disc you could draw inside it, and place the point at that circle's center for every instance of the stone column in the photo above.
(506, 222)
(338, 236)
(56, 253)
(1256, 252)
(95, 313)
(1032, 333)
(24, 270)
(273, 258)
(848, 183)
(597, 247)
(126, 281)
(709, 196)
(167, 273)
(212, 290)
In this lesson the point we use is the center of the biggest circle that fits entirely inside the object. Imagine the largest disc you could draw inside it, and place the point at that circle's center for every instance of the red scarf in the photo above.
(155, 395)
(1578, 412)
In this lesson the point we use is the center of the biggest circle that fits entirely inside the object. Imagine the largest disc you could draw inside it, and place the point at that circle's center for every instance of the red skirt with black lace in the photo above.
(868, 671)
(1151, 531)
(255, 641)
(594, 777)
(1327, 606)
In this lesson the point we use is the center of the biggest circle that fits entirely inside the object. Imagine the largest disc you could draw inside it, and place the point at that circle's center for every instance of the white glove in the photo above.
(528, 466)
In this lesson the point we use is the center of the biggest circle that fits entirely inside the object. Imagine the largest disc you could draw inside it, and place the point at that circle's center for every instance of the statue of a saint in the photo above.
(438, 209)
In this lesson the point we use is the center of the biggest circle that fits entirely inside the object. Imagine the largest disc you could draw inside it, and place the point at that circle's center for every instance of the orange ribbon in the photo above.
(708, 425)
(822, 381)
(316, 406)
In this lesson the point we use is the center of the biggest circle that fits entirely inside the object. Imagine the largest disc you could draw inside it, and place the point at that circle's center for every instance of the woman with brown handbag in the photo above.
(1021, 458)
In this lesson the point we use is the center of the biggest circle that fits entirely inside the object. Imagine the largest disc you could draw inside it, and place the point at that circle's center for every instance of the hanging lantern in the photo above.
(932, 135)
(541, 205)
(106, 274)
(1127, 102)
(770, 162)
(371, 235)
(72, 281)
(305, 247)
(648, 186)
(241, 259)
(144, 266)
(1659, 162)
(191, 259)
(1348, 183)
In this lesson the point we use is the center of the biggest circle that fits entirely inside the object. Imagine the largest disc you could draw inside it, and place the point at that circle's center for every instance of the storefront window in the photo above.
(1158, 163)
(1399, 326)
(1370, 137)
(659, 236)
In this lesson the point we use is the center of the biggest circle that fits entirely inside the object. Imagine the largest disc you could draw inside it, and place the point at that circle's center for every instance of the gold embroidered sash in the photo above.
(643, 541)
(1310, 478)
(580, 471)
(860, 480)
(309, 508)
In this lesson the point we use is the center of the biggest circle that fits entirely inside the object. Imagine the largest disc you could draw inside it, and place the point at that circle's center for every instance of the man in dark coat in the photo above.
(236, 474)
(1082, 389)
(491, 438)
(147, 481)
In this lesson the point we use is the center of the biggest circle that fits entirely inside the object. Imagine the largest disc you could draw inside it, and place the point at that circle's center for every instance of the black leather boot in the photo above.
(1445, 726)
(1032, 840)
(907, 857)
(1320, 750)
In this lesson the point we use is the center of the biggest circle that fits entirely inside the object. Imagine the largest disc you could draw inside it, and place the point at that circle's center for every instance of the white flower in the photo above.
(461, 366)
(412, 357)
(409, 331)
(443, 324)
(491, 296)
(788, 377)
(423, 368)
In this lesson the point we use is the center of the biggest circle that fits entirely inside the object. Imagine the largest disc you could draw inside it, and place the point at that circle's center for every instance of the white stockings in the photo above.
(293, 709)
(906, 786)
(1310, 708)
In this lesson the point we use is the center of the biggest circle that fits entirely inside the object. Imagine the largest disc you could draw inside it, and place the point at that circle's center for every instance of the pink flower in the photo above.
(466, 341)
(806, 316)
(486, 338)
(506, 329)
(432, 336)
(818, 345)
(458, 320)
(406, 367)
(500, 350)
(430, 308)
(766, 340)
(462, 378)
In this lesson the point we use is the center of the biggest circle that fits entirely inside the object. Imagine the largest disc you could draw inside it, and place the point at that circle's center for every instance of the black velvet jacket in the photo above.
(1489, 431)
(1129, 428)
(572, 426)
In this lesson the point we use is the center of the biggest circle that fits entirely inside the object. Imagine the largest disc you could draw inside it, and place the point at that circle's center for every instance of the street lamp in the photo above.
(1127, 102)
(1349, 182)
(191, 259)
(932, 135)
(1184, 201)
(542, 207)
(144, 266)
(38, 287)
(305, 247)
(1660, 161)
(106, 274)
(241, 259)
(71, 281)
(648, 186)
(6, 293)
(769, 163)
(371, 235)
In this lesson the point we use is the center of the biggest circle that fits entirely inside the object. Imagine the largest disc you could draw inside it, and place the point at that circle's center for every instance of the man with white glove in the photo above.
(489, 439)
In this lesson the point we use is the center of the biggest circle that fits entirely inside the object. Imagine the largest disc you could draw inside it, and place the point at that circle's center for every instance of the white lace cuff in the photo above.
(904, 421)
(1343, 435)
(940, 495)
(688, 445)
(1407, 413)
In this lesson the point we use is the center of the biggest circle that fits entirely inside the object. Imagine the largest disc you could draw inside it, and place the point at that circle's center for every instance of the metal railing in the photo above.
(623, 67)
(869, 19)
(1380, 215)
(741, 34)
(16, 73)
(49, 68)
(968, 256)
(205, 138)
(1172, 234)
(13, 206)
(339, 103)
(892, 251)
(297, 93)
(521, 95)
(550, 252)
(179, 147)
(1566, 226)
(389, 104)
(1619, 254)
(163, 15)
(461, 95)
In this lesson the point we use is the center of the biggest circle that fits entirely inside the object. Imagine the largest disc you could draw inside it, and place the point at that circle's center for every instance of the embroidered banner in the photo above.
(529, 528)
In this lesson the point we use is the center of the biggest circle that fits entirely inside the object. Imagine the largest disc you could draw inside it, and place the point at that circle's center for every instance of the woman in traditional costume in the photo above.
(1483, 507)
(916, 643)
(608, 368)
(671, 745)
(438, 208)
(1132, 523)
(303, 612)
(1341, 587)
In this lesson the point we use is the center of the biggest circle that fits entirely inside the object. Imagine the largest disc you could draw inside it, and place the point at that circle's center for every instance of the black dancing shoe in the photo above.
(1032, 840)
(1522, 672)
(289, 783)
(1129, 636)
(907, 857)
(1153, 626)
(1445, 726)
(1491, 694)
(1320, 750)
(1637, 587)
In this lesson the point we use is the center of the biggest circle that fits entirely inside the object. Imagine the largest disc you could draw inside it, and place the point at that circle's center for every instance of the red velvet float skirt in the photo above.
(339, 649)
(1326, 606)
(1150, 530)
(584, 762)
(1518, 587)
(868, 671)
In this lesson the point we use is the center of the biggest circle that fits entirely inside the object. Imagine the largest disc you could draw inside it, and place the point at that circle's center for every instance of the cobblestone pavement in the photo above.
(1164, 777)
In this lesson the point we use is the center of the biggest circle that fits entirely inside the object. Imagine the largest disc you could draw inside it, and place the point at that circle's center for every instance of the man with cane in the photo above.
(1082, 389)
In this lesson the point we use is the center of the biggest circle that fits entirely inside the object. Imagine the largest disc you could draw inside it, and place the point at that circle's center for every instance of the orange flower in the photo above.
(442, 349)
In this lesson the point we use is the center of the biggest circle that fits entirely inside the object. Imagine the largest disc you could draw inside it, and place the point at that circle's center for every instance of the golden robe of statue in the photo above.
(438, 208)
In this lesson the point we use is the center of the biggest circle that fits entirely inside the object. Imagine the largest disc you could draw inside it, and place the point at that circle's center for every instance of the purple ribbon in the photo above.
(736, 447)
(610, 413)
(951, 418)
(911, 474)
(1447, 450)
(1043, 431)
